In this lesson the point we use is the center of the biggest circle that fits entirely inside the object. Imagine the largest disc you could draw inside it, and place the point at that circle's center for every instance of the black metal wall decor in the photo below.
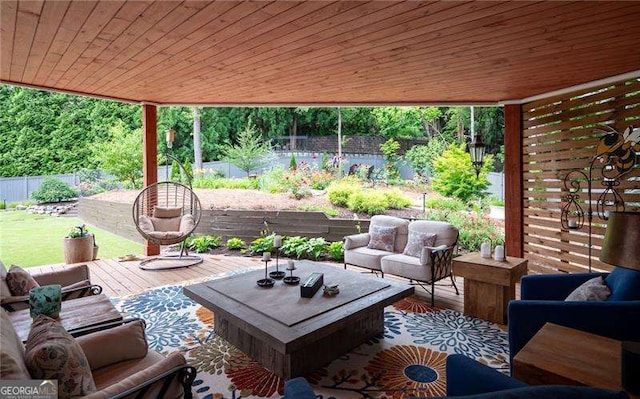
(616, 155)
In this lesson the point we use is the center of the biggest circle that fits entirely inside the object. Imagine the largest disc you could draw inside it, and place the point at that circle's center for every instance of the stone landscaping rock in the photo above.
(52, 209)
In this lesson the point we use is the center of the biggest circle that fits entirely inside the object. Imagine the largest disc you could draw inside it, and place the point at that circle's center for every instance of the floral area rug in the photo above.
(407, 360)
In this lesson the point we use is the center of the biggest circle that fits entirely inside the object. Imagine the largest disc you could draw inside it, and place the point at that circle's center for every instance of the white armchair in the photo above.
(434, 262)
(358, 253)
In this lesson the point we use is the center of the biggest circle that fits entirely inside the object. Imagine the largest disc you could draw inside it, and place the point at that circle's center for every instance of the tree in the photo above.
(121, 154)
(250, 151)
(455, 176)
(197, 150)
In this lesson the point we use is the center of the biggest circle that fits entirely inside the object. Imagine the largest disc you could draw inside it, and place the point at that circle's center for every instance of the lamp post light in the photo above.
(476, 148)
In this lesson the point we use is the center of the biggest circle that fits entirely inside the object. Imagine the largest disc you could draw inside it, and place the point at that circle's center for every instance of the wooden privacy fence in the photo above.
(116, 217)
(559, 136)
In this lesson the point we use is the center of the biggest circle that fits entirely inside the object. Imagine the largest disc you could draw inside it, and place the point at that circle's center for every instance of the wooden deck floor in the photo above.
(124, 278)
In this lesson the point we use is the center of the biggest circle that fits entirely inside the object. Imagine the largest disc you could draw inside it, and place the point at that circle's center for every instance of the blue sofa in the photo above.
(469, 379)
(542, 301)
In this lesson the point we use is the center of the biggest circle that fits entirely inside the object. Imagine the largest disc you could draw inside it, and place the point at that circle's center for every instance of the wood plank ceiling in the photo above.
(290, 52)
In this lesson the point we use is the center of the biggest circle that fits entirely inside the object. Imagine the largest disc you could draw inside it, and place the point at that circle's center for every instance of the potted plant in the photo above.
(78, 245)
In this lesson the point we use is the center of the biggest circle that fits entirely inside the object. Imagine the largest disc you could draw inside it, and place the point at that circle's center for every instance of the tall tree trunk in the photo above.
(197, 151)
(294, 132)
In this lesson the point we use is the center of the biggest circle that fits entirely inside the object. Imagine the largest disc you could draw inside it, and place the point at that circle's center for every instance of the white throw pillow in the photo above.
(592, 290)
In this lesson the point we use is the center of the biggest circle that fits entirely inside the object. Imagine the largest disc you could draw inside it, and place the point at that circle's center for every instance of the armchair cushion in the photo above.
(159, 212)
(382, 238)
(12, 366)
(593, 290)
(624, 284)
(356, 241)
(365, 257)
(145, 224)
(166, 224)
(20, 281)
(113, 345)
(416, 241)
(52, 353)
(119, 377)
(406, 266)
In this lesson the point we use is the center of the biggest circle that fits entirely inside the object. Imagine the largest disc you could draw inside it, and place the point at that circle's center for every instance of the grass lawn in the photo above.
(32, 240)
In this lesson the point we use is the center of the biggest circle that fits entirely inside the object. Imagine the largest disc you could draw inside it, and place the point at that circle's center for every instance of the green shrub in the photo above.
(316, 247)
(272, 181)
(293, 165)
(235, 243)
(474, 229)
(53, 190)
(397, 200)
(340, 192)
(262, 244)
(329, 211)
(421, 157)
(295, 245)
(214, 182)
(175, 171)
(390, 150)
(203, 243)
(455, 176)
(444, 203)
(370, 202)
(336, 250)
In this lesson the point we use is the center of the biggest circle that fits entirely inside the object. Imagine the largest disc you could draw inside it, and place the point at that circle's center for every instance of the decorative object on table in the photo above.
(291, 280)
(485, 250)
(621, 247)
(330, 290)
(498, 254)
(266, 282)
(616, 154)
(78, 245)
(45, 300)
(311, 285)
(277, 243)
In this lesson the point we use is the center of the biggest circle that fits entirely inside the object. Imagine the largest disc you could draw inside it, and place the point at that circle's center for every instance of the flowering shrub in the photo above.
(474, 228)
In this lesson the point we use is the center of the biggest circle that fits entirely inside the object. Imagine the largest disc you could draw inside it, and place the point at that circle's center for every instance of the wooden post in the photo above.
(514, 204)
(150, 158)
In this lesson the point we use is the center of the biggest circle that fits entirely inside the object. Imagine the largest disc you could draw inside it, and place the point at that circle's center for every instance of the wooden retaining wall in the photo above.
(558, 136)
(116, 217)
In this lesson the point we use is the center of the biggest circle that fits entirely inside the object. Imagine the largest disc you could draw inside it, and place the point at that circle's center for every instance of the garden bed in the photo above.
(222, 199)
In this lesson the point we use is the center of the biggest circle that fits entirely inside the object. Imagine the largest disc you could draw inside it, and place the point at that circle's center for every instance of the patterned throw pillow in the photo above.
(592, 290)
(417, 241)
(20, 281)
(382, 238)
(52, 353)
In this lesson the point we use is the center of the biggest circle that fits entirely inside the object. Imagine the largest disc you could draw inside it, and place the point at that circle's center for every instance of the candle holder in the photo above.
(278, 275)
(291, 280)
(266, 282)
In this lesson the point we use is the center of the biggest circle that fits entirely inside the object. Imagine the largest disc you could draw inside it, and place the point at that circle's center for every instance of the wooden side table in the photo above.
(559, 355)
(489, 284)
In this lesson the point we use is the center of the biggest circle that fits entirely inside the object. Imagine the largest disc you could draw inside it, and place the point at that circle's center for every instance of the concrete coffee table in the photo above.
(291, 335)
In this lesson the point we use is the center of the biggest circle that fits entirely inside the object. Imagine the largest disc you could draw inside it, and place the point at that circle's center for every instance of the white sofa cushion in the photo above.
(406, 266)
(365, 257)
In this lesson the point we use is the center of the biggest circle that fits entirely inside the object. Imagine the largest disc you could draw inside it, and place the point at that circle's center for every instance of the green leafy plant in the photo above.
(329, 211)
(77, 232)
(455, 176)
(121, 154)
(215, 182)
(175, 171)
(390, 150)
(336, 250)
(53, 190)
(340, 192)
(421, 157)
(370, 202)
(203, 243)
(316, 247)
(235, 243)
(396, 200)
(444, 203)
(474, 228)
(293, 165)
(262, 244)
(295, 245)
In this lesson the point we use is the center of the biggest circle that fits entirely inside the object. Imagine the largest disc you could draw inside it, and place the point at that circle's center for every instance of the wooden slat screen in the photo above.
(558, 136)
